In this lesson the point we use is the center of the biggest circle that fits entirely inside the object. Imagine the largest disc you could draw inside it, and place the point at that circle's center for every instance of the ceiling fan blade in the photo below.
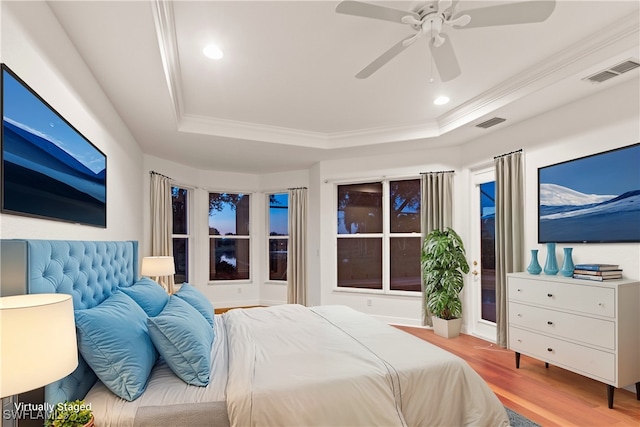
(511, 13)
(445, 59)
(368, 10)
(383, 59)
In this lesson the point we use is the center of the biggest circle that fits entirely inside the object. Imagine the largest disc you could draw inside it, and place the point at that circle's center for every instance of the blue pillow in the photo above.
(148, 294)
(114, 340)
(197, 299)
(184, 339)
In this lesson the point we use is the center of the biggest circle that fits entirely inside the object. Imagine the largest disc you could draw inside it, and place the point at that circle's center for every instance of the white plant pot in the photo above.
(446, 328)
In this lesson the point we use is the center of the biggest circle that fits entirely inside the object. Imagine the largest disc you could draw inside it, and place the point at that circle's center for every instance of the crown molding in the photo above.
(599, 46)
(618, 37)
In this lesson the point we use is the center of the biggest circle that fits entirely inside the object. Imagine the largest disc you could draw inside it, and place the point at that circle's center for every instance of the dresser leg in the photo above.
(638, 390)
(610, 390)
(517, 360)
(546, 365)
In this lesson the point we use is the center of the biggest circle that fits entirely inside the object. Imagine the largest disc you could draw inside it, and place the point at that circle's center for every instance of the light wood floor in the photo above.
(549, 397)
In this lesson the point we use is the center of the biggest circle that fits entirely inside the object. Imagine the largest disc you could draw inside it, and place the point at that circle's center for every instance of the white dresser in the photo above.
(591, 328)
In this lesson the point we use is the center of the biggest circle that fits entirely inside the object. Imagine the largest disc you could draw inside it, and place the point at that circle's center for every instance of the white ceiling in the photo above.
(284, 96)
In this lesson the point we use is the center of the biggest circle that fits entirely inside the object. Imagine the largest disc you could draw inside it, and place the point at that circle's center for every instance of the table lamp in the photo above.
(158, 266)
(37, 341)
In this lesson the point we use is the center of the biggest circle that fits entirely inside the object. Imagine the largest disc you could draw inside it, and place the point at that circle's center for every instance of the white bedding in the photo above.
(333, 366)
(290, 365)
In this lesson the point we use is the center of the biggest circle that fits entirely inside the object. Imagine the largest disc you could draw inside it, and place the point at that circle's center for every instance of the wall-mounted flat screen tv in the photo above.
(49, 169)
(593, 199)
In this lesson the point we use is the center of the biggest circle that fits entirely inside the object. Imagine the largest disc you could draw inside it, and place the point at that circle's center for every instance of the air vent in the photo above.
(614, 71)
(491, 122)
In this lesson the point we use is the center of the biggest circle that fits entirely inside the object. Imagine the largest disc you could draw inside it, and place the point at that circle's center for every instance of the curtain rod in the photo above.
(507, 154)
(427, 173)
(156, 173)
(297, 188)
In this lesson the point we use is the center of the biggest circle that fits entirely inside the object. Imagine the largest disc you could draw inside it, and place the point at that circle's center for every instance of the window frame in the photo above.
(248, 237)
(386, 235)
(189, 235)
(269, 237)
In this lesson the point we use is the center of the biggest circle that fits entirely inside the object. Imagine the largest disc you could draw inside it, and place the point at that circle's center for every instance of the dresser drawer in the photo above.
(588, 298)
(584, 360)
(588, 330)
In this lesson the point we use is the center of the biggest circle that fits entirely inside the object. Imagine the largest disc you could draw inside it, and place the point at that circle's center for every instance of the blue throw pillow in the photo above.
(184, 339)
(197, 299)
(148, 294)
(114, 340)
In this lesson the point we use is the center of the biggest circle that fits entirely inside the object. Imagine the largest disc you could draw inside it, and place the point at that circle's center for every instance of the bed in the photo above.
(277, 366)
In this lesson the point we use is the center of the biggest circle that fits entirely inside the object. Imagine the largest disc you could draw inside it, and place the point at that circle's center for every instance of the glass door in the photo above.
(483, 255)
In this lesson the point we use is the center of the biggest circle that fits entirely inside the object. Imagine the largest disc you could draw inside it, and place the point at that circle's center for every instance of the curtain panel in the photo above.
(162, 221)
(297, 250)
(436, 214)
(509, 239)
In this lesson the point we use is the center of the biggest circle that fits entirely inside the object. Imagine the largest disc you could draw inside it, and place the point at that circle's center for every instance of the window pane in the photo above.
(279, 214)
(404, 197)
(405, 263)
(228, 214)
(278, 259)
(360, 208)
(488, 250)
(181, 259)
(179, 202)
(228, 259)
(360, 263)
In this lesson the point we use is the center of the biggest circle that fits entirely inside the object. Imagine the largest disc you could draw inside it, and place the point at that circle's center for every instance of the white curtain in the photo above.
(436, 213)
(509, 231)
(162, 221)
(297, 250)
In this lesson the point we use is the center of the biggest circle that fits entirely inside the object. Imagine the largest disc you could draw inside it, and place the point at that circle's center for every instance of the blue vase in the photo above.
(567, 264)
(551, 265)
(534, 265)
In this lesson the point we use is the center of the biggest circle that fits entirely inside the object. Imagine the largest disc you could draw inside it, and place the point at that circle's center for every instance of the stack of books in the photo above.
(597, 272)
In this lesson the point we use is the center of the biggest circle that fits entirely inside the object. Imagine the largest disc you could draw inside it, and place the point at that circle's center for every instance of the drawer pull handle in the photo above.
(519, 315)
(549, 322)
(600, 304)
(519, 290)
(550, 295)
(549, 349)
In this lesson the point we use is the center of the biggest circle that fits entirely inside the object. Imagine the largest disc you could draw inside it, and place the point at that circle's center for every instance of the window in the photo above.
(278, 235)
(229, 236)
(180, 234)
(378, 236)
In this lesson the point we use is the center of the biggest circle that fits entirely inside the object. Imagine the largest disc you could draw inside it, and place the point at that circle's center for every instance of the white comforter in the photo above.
(328, 366)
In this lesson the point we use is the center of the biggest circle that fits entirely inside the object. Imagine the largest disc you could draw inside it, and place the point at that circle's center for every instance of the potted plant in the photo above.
(71, 414)
(443, 264)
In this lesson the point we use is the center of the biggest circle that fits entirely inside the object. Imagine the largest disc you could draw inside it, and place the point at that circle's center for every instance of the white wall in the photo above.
(36, 48)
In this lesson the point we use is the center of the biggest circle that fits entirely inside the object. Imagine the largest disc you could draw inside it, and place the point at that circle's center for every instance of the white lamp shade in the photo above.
(156, 266)
(37, 341)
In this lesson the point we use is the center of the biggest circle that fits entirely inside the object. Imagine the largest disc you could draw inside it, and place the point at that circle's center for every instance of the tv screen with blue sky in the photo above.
(593, 199)
(49, 169)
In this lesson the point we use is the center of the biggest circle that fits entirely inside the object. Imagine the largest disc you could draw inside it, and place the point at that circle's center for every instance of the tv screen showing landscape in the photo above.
(49, 169)
(593, 199)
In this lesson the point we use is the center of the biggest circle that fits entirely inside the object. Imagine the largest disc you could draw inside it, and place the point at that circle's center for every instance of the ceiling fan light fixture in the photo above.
(441, 100)
(212, 51)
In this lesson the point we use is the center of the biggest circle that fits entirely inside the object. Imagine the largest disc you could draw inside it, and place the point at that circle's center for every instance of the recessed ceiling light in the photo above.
(212, 51)
(441, 100)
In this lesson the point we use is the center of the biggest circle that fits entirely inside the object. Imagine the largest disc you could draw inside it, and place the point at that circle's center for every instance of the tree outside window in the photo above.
(378, 236)
(180, 233)
(278, 236)
(229, 236)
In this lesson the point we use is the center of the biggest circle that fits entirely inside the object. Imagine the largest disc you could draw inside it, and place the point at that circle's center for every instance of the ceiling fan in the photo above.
(430, 21)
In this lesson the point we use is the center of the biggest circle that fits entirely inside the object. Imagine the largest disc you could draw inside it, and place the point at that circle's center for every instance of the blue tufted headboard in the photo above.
(90, 271)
